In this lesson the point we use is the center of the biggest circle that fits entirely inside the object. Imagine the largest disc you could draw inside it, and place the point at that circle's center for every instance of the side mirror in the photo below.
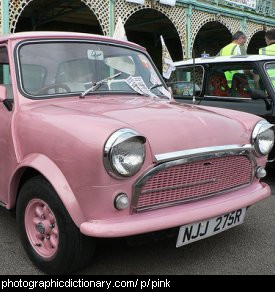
(257, 94)
(3, 93)
(197, 92)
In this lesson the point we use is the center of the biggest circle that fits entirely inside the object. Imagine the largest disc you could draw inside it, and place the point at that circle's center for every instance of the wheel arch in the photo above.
(39, 164)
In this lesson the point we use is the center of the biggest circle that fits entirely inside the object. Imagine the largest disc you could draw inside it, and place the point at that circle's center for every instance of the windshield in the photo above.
(270, 70)
(51, 69)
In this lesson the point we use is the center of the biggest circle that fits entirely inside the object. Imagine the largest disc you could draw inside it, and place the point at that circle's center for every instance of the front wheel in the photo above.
(49, 236)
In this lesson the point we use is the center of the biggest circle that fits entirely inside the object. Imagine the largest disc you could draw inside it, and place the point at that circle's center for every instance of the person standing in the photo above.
(270, 41)
(270, 51)
(236, 47)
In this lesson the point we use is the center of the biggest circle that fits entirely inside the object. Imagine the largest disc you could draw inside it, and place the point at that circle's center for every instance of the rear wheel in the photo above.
(49, 236)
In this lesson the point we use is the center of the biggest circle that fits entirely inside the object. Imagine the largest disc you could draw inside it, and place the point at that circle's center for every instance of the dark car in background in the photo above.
(244, 83)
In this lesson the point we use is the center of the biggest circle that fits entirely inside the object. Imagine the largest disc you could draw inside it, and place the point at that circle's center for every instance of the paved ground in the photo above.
(246, 249)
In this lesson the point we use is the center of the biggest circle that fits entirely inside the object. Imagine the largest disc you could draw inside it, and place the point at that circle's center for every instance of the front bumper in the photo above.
(176, 216)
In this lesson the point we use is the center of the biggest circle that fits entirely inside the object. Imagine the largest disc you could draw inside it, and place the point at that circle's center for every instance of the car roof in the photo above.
(224, 59)
(32, 35)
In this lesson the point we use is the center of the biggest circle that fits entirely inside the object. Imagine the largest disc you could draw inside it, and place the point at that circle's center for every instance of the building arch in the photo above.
(201, 18)
(198, 20)
(256, 42)
(251, 29)
(145, 27)
(100, 11)
(211, 38)
(176, 14)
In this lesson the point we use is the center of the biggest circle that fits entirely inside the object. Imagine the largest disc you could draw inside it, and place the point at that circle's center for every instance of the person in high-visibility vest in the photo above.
(236, 47)
(270, 41)
(270, 51)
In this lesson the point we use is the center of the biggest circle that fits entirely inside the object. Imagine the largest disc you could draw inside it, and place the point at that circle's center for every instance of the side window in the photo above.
(270, 70)
(239, 80)
(184, 80)
(5, 78)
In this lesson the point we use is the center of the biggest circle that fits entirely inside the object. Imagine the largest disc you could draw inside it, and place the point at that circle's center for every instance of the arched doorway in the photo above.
(67, 15)
(256, 42)
(211, 38)
(145, 27)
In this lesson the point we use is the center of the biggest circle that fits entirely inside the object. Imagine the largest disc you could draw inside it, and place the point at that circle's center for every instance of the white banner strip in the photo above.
(248, 3)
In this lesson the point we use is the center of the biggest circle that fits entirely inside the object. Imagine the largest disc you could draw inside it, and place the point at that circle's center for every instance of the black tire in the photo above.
(74, 250)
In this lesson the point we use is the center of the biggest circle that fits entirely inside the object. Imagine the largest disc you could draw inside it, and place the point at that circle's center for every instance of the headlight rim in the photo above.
(116, 138)
(260, 128)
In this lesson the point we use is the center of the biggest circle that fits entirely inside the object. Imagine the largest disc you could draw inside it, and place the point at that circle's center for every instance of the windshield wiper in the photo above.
(98, 84)
(163, 93)
(155, 86)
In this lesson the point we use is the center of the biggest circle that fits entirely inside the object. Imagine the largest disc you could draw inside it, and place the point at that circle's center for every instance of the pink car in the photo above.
(93, 145)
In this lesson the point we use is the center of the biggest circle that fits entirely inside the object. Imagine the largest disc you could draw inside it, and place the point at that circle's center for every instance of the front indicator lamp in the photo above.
(121, 201)
(260, 172)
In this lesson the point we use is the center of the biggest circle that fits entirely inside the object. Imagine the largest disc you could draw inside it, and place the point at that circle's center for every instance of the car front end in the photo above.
(186, 186)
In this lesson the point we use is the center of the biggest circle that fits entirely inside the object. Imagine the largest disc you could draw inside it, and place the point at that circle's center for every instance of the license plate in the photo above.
(196, 231)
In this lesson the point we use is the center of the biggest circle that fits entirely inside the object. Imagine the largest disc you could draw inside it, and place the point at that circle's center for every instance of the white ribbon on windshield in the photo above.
(138, 85)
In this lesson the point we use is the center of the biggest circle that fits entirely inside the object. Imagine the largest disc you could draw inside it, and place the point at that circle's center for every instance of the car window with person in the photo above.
(211, 79)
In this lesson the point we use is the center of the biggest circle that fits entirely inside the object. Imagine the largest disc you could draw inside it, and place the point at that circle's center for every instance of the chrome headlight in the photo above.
(263, 137)
(124, 153)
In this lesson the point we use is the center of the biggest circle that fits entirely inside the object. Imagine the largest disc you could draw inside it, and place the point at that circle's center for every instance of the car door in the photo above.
(7, 156)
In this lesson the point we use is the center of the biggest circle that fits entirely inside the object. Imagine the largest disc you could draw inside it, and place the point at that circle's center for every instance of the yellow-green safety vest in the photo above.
(270, 51)
(229, 50)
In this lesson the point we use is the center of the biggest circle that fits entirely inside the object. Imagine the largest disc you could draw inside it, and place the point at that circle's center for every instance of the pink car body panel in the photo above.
(63, 139)
(176, 216)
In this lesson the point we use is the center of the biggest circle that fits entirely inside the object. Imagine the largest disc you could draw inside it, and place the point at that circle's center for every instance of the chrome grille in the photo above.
(194, 180)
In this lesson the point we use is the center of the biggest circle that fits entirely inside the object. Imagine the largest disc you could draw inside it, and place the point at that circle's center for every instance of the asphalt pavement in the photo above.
(248, 249)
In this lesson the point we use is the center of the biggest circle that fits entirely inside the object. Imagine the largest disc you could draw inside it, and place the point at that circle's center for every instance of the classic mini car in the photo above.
(244, 83)
(93, 146)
